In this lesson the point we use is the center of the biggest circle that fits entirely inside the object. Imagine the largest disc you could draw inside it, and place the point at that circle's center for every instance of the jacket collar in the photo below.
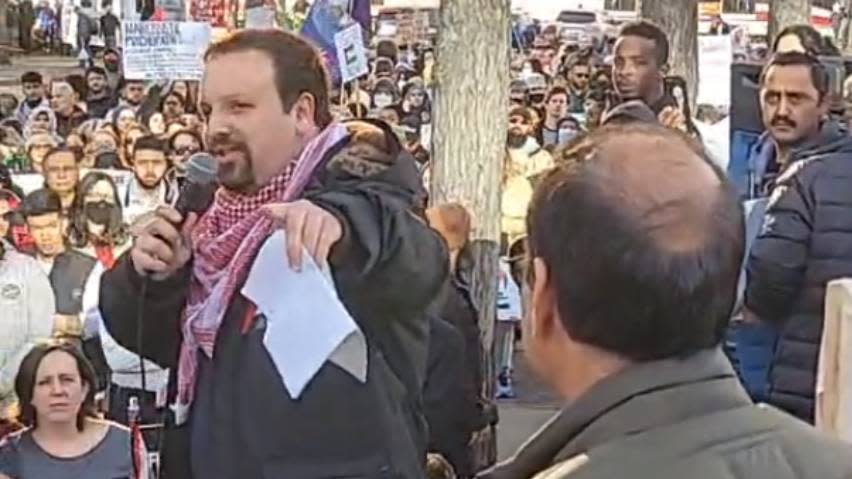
(642, 397)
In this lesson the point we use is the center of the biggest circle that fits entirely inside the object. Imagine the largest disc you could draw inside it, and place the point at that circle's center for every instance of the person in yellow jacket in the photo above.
(525, 159)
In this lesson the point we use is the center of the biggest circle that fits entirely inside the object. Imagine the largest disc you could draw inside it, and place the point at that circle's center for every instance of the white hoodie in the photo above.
(27, 306)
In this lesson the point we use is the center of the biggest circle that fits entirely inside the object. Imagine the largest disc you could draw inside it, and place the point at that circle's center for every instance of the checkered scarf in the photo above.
(224, 244)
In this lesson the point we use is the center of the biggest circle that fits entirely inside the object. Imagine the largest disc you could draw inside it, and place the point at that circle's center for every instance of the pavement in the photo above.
(522, 416)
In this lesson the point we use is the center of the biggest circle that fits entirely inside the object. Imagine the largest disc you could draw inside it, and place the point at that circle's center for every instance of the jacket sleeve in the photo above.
(778, 259)
(385, 245)
(39, 318)
(122, 301)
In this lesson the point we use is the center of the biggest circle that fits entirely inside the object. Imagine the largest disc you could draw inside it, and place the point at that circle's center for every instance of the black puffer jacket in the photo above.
(806, 242)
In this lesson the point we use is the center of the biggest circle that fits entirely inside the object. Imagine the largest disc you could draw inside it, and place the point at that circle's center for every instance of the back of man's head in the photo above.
(642, 240)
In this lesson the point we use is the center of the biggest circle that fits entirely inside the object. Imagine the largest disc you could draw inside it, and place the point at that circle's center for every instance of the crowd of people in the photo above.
(93, 164)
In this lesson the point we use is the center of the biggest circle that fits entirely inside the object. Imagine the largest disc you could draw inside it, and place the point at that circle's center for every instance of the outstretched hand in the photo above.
(307, 227)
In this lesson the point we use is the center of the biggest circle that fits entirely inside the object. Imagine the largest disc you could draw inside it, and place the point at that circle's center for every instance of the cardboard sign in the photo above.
(165, 50)
(350, 53)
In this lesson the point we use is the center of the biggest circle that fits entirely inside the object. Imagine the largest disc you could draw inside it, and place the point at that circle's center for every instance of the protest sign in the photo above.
(165, 50)
(351, 55)
(715, 55)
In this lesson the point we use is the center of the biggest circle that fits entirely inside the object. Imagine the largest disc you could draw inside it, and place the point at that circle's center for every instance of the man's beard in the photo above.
(516, 140)
(236, 175)
(144, 183)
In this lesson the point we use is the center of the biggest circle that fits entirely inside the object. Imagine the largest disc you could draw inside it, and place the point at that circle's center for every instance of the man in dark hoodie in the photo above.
(806, 237)
(343, 194)
(100, 99)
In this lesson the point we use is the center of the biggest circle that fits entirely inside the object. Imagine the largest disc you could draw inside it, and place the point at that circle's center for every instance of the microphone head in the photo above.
(201, 169)
(200, 185)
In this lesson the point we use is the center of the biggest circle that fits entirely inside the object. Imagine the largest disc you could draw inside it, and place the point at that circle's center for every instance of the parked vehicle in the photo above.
(584, 27)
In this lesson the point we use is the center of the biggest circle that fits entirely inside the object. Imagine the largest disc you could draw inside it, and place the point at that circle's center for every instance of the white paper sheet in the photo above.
(307, 324)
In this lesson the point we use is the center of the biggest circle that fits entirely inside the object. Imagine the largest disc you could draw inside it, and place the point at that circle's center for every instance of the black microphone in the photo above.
(199, 186)
(195, 196)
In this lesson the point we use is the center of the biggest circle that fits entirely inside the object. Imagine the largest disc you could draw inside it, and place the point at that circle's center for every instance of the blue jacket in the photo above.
(805, 242)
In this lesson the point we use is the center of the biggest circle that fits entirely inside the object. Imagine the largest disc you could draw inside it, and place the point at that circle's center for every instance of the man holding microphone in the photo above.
(342, 193)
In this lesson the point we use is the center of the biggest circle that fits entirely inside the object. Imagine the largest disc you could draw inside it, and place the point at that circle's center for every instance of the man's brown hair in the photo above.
(298, 66)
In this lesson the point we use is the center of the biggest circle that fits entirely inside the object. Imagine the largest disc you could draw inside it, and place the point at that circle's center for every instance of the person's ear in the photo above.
(543, 311)
(303, 112)
(665, 69)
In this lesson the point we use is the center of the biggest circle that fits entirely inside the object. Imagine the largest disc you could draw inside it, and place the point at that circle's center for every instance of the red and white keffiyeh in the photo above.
(224, 243)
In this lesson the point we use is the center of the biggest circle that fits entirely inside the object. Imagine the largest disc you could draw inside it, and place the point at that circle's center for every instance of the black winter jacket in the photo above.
(388, 268)
(806, 241)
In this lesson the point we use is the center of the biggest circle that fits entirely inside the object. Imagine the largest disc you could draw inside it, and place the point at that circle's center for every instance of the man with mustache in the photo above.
(807, 232)
(344, 194)
(149, 188)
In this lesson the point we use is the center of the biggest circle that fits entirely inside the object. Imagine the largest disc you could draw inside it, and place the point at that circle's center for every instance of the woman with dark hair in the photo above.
(804, 39)
(63, 436)
(173, 106)
(188, 91)
(97, 226)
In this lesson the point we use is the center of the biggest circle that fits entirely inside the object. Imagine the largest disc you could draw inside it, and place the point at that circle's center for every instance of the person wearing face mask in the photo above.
(385, 94)
(97, 226)
(569, 128)
(148, 189)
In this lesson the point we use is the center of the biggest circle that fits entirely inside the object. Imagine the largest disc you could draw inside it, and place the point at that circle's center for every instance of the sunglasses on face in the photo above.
(186, 150)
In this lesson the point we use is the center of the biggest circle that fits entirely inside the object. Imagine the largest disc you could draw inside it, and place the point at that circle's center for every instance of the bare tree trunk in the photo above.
(5, 36)
(783, 13)
(679, 19)
(471, 107)
(844, 42)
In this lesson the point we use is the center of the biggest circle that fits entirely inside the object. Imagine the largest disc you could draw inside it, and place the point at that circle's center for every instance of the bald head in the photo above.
(670, 191)
(643, 239)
